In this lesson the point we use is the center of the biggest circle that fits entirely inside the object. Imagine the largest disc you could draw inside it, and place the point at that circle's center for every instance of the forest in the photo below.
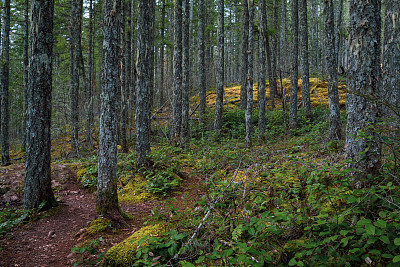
(200, 133)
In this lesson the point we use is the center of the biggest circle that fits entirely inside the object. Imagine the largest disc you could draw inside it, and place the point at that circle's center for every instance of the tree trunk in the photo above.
(283, 38)
(362, 144)
(391, 63)
(249, 107)
(220, 70)
(37, 185)
(162, 36)
(107, 197)
(314, 36)
(261, 69)
(335, 129)
(125, 82)
(305, 88)
(4, 83)
(26, 64)
(274, 56)
(145, 48)
(245, 43)
(177, 98)
(75, 53)
(294, 76)
(202, 72)
(185, 72)
(89, 79)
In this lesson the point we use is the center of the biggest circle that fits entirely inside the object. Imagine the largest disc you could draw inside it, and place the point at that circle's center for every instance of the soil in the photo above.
(47, 241)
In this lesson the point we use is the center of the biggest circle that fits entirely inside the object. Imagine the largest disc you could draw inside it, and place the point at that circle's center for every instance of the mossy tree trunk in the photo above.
(37, 186)
(107, 197)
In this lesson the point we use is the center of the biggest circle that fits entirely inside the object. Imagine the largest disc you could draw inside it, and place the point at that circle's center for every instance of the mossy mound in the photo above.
(98, 225)
(123, 253)
(135, 191)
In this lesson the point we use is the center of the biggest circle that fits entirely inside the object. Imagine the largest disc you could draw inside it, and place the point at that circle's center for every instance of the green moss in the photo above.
(122, 253)
(135, 191)
(98, 225)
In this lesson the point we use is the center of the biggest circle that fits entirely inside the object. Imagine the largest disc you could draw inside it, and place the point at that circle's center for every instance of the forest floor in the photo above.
(48, 238)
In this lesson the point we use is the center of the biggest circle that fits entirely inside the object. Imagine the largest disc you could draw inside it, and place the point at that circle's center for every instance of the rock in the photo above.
(51, 233)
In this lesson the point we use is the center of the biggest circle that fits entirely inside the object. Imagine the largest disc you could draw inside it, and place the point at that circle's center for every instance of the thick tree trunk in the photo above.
(335, 129)
(261, 69)
(220, 70)
(202, 71)
(294, 76)
(305, 91)
(245, 43)
(185, 72)
(75, 56)
(249, 107)
(26, 64)
(125, 82)
(107, 197)
(177, 97)
(363, 147)
(145, 48)
(37, 186)
(391, 64)
(4, 83)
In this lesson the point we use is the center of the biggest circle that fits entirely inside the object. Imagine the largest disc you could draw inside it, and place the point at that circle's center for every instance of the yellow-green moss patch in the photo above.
(98, 225)
(122, 253)
(135, 191)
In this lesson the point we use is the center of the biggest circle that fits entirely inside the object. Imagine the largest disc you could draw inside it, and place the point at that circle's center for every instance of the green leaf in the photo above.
(387, 256)
(385, 239)
(227, 252)
(370, 229)
(344, 232)
(300, 263)
(396, 259)
(293, 262)
(380, 224)
(363, 222)
(345, 241)
(397, 241)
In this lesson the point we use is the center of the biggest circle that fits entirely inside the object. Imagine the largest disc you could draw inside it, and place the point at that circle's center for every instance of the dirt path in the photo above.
(48, 241)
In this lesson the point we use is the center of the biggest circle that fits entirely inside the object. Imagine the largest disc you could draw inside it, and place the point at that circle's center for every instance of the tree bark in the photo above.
(261, 69)
(145, 48)
(107, 197)
(5, 82)
(362, 143)
(294, 72)
(37, 185)
(26, 68)
(162, 69)
(89, 79)
(305, 88)
(220, 70)
(202, 72)
(245, 43)
(335, 129)
(185, 71)
(249, 107)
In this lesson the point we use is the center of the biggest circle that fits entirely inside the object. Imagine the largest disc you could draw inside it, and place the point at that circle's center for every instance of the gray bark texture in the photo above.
(305, 88)
(249, 107)
(245, 43)
(269, 58)
(314, 36)
(185, 71)
(107, 197)
(144, 82)
(75, 53)
(89, 80)
(335, 128)
(125, 77)
(261, 69)
(202, 71)
(294, 76)
(362, 143)
(26, 66)
(274, 54)
(5, 84)
(220, 69)
(37, 186)
(162, 37)
(177, 94)
(391, 63)
(284, 37)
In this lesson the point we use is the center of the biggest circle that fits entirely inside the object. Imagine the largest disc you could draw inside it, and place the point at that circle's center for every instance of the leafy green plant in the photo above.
(86, 250)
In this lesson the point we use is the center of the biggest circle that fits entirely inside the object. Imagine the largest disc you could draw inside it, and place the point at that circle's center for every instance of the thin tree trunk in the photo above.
(185, 72)
(26, 64)
(305, 88)
(107, 197)
(89, 79)
(125, 82)
(294, 72)
(335, 129)
(202, 78)
(220, 70)
(249, 107)
(314, 35)
(245, 43)
(37, 183)
(162, 36)
(274, 56)
(261, 69)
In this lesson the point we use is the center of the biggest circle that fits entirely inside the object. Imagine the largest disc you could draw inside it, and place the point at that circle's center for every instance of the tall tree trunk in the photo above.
(391, 63)
(145, 48)
(335, 129)
(26, 64)
(107, 197)
(284, 38)
(89, 79)
(37, 185)
(274, 55)
(185, 71)
(245, 43)
(4, 83)
(305, 88)
(132, 95)
(249, 107)
(125, 82)
(177, 98)
(261, 69)
(338, 33)
(202, 72)
(220, 70)
(314, 35)
(162, 37)
(269, 54)
(75, 56)
(362, 144)
(294, 76)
